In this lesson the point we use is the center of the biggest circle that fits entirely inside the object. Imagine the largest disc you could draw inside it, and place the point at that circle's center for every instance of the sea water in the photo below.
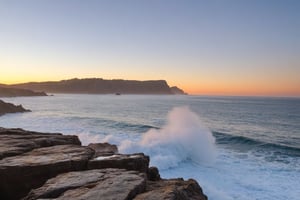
(235, 147)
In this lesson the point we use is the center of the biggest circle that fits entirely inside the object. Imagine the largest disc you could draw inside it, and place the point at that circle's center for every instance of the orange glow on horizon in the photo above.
(216, 89)
(243, 91)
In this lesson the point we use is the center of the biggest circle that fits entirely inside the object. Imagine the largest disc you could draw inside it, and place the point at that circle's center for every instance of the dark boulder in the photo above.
(153, 174)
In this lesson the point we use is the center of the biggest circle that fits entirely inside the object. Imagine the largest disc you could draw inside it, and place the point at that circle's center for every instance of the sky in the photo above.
(224, 47)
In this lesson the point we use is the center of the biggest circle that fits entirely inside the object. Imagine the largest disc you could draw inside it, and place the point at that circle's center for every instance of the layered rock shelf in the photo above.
(54, 166)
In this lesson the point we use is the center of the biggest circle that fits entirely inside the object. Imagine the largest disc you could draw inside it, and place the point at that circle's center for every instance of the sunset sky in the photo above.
(225, 47)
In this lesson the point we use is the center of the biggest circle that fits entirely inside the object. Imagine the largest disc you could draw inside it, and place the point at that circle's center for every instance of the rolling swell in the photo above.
(114, 124)
(131, 126)
(246, 144)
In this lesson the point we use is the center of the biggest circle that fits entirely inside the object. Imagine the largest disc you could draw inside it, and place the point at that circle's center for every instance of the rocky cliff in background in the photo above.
(10, 108)
(6, 91)
(54, 166)
(176, 90)
(101, 86)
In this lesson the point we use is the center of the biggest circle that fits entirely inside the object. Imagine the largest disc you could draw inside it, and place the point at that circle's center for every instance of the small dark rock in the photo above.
(153, 174)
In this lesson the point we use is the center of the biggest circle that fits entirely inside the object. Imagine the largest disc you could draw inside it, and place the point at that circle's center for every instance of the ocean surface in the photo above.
(235, 147)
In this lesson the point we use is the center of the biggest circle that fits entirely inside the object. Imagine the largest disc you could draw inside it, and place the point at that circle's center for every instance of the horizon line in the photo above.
(192, 92)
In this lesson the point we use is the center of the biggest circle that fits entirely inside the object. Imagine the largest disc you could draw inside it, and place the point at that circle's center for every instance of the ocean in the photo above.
(235, 147)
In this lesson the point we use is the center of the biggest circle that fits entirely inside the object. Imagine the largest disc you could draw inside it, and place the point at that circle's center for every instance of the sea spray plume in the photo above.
(183, 138)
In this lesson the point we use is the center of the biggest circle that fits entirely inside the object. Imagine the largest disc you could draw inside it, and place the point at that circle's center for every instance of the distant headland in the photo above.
(101, 86)
(6, 91)
(11, 108)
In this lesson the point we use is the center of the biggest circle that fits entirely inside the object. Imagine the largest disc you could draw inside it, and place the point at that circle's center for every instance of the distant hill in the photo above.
(100, 86)
(6, 91)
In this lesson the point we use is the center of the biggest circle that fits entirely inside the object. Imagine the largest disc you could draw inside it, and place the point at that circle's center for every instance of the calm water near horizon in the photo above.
(256, 154)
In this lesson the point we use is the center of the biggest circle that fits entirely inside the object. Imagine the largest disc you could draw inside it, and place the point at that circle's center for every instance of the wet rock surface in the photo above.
(54, 166)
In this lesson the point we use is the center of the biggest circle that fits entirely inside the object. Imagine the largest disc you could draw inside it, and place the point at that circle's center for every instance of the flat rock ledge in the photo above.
(54, 166)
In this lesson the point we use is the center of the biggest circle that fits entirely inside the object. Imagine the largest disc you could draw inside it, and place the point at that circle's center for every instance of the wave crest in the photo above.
(182, 138)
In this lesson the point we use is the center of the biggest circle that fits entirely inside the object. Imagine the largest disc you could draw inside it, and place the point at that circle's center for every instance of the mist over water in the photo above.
(182, 139)
(237, 148)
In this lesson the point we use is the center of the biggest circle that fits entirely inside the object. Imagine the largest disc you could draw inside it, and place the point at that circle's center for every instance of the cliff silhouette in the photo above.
(6, 91)
(101, 86)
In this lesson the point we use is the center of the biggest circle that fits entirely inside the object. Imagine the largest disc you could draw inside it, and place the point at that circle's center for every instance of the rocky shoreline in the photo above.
(37, 165)
(6, 91)
(11, 108)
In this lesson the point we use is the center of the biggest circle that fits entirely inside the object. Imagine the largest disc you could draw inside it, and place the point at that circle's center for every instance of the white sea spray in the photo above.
(183, 138)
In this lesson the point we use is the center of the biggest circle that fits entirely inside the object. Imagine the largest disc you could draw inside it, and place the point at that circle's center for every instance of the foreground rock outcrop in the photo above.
(172, 189)
(17, 141)
(102, 183)
(11, 108)
(55, 166)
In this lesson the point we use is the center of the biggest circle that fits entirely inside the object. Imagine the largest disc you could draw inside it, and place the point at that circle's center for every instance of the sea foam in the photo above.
(183, 138)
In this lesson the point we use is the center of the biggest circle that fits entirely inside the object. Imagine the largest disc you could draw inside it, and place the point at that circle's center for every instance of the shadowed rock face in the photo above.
(54, 166)
(153, 174)
(10, 108)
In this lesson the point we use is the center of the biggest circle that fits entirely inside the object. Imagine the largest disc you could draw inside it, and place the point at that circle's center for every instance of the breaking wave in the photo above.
(183, 138)
(245, 143)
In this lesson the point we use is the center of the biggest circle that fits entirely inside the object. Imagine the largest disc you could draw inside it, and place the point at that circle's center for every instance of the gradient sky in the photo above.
(225, 47)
